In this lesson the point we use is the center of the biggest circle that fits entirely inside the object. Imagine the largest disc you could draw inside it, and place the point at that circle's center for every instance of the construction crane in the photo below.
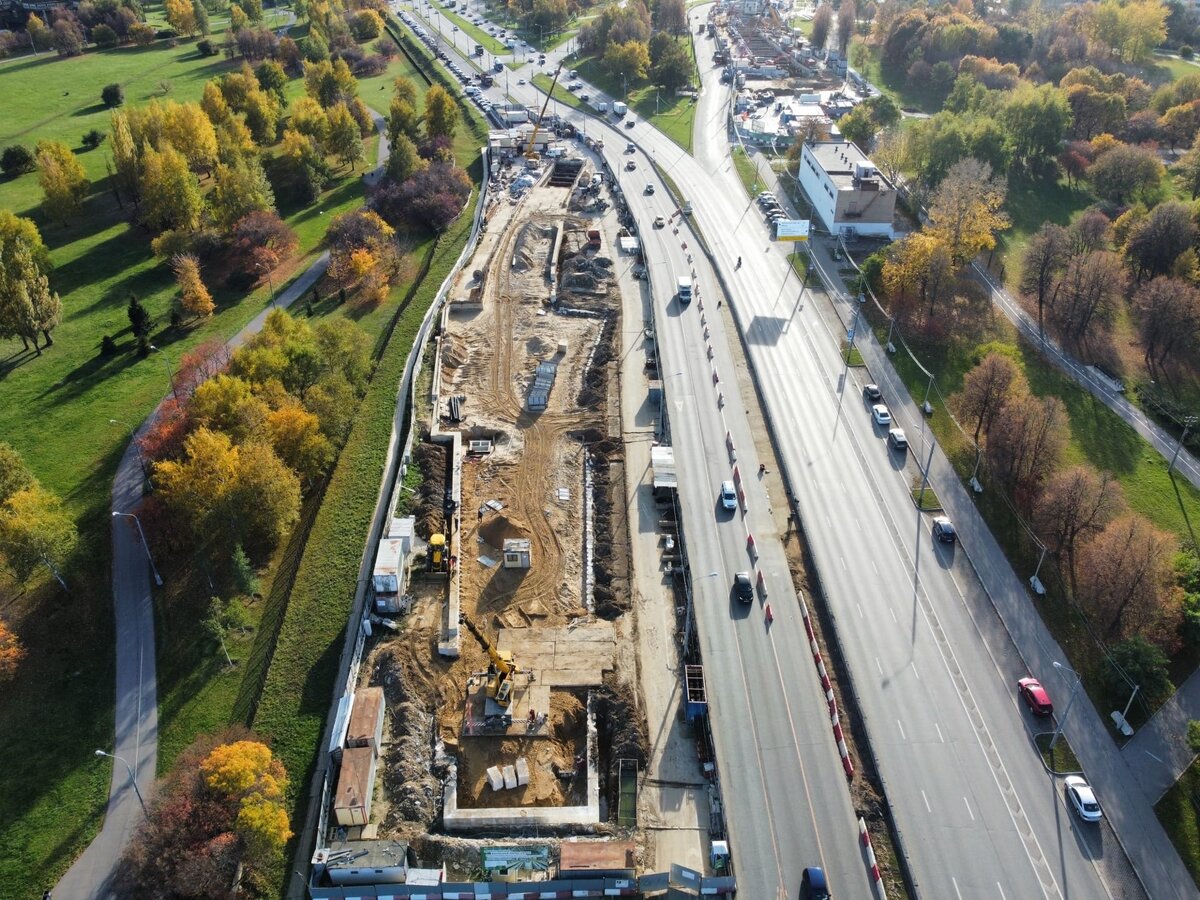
(530, 153)
(503, 669)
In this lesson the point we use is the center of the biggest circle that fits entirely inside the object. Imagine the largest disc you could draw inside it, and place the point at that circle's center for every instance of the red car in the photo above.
(1035, 696)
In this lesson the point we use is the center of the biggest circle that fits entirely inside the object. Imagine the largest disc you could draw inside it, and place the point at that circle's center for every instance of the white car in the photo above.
(520, 81)
(728, 495)
(880, 414)
(1082, 799)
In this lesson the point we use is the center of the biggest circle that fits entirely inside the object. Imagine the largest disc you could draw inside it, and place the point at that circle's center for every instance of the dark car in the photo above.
(743, 587)
(943, 530)
(872, 392)
(1035, 696)
(813, 884)
(629, 123)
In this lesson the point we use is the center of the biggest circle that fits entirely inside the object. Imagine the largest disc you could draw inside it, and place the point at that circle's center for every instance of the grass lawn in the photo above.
(1061, 759)
(1163, 68)
(56, 408)
(1032, 202)
(1178, 813)
(474, 32)
(542, 82)
(673, 116)
(864, 58)
(747, 171)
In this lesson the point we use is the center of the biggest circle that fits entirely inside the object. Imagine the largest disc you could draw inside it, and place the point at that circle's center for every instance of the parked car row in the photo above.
(771, 207)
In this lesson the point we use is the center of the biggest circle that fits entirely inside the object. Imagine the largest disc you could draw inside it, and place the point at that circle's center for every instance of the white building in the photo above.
(846, 191)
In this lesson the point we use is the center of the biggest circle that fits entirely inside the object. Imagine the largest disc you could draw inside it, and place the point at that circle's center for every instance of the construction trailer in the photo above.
(355, 786)
(366, 719)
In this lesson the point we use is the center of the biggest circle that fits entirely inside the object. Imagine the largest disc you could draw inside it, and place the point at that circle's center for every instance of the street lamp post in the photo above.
(145, 546)
(170, 374)
(132, 780)
(137, 447)
(270, 279)
(1067, 712)
(624, 87)
(1188, 423)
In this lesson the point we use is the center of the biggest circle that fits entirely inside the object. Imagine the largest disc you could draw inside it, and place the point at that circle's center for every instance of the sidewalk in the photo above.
(1159, 752)
(136, 714)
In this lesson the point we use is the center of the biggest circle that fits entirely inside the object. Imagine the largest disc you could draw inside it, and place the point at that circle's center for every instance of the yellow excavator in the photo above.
(530, 152)
(501, 672)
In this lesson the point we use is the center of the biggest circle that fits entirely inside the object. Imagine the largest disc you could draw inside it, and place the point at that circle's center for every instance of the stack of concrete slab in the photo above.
(495, 778)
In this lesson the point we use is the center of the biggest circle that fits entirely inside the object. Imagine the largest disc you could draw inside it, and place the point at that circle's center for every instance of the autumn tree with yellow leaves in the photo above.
(194, 298)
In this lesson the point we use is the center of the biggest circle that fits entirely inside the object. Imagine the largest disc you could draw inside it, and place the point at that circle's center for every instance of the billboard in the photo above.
(791, 230)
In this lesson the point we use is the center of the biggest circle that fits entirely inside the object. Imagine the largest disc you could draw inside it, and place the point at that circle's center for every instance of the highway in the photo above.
(934, 672)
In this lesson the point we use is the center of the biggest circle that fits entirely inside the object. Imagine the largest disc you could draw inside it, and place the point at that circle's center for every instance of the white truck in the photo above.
(602, 107)
(619, 109)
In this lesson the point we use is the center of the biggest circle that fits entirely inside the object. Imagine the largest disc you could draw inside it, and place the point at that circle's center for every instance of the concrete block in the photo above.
(495, 778)
(522, 770)
(510, 777)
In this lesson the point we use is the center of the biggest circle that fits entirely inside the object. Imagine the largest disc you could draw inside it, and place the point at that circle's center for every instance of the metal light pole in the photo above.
(132, 780)
(1067, 712)
(1188, 424)
(624, 87)
(170, 374)
(925, 477)
(137, 447)
(270, 279)
(145, 546)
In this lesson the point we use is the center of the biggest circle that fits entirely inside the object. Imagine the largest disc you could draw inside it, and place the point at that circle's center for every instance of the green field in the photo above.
(673, 116)
(56, 409)
(1179, 812)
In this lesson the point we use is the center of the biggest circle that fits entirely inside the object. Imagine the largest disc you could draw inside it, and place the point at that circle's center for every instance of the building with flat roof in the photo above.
(847, 192)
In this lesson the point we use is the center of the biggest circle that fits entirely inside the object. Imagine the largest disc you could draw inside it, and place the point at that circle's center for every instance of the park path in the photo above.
(136, 733)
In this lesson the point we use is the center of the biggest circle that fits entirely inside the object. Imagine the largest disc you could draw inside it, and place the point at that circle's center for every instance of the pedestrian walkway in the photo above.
(136, 713)
(1159, 753)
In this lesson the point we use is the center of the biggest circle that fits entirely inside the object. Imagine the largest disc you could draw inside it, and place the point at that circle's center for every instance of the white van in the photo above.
(683, 287)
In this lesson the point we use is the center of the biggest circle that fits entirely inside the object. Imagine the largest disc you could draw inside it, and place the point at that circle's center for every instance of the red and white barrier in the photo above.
(876, 876)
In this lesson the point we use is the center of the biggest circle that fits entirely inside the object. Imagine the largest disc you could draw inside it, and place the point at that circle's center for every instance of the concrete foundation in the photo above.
(455, 819)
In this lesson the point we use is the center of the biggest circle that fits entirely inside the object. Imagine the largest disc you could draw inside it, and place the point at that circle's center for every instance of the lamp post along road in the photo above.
(1070, 702)
(153, 568)
(132, 780)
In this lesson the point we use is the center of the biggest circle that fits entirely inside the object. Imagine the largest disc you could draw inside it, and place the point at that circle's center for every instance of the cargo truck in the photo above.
(619, 109)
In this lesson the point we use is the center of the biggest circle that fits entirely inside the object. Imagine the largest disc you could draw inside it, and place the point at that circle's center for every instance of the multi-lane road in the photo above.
(932, 667)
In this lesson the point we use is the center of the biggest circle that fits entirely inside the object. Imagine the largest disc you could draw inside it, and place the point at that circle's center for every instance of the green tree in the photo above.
(404, 159)
(330, 83)
(403, 120)
(28, 307)
(858, 126)
(240, 189)
(171, 197)
(344, 140)
(126, 176)
(253, 10)
(35, 531)
(673, 68)
(200, 12)
(14, 473)
(630, 58)
(1037, 119)
(441, 113)
(272, 79)
(139, 323)
(64, 183)
(1125, 172)
(1136, 661)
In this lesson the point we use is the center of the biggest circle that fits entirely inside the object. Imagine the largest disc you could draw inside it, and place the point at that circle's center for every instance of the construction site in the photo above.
(504, 651)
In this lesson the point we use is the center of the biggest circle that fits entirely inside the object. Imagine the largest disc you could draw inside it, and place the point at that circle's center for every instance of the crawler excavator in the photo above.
(502, 670)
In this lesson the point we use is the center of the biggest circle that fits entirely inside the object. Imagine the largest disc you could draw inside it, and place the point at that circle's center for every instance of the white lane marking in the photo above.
(957, 892)
(939, 731)
(879, 665)
(903, 736)
(928, 808)
(844, 568)
(1001, 890)
(875, 567)
(916, 671)
(860, 612)
(893, 612)
(967, 804)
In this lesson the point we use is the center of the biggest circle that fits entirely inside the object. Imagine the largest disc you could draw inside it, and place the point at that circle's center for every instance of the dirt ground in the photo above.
(536, 475)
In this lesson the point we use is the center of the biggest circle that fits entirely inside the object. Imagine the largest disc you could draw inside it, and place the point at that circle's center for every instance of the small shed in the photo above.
(355, 786)
(366, 719)
(517, 553)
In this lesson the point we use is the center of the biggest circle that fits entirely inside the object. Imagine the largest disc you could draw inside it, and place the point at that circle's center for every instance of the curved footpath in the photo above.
(136, 716)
